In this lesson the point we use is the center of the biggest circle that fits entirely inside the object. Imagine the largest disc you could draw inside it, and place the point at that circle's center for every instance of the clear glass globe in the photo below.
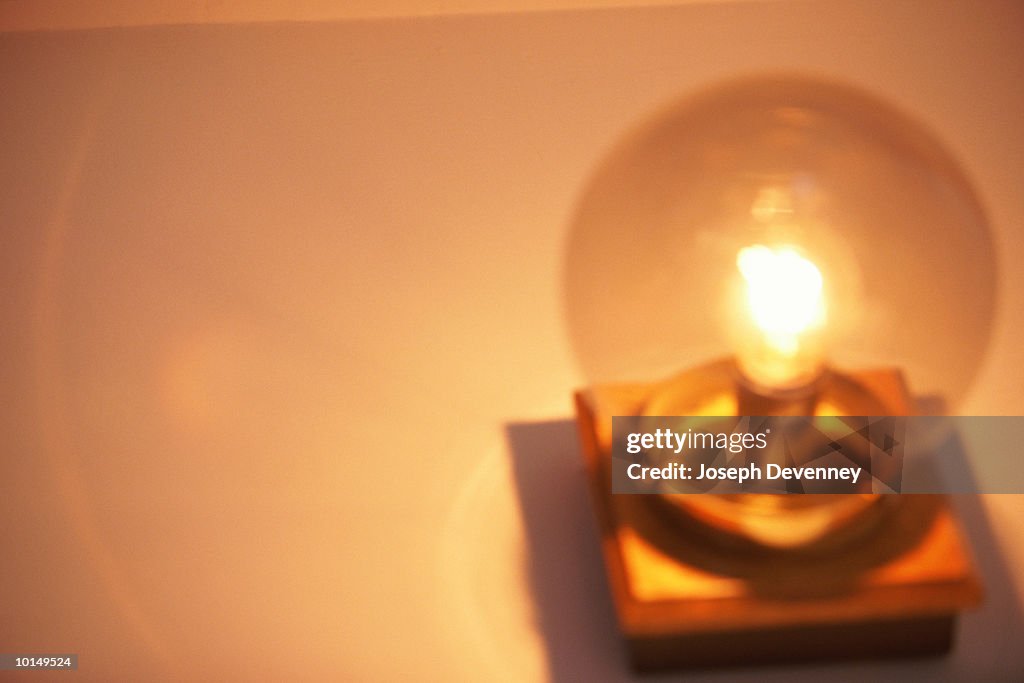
(817, 193)
(868, 194)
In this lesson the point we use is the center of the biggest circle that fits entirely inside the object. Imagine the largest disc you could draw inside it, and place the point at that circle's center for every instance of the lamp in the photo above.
(808, 227)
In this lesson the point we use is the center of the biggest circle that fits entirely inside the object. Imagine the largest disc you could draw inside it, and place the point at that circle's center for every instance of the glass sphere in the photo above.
(870, 196)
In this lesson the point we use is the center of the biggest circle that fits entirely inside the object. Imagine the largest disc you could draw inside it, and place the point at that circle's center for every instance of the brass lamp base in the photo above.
(684, 598)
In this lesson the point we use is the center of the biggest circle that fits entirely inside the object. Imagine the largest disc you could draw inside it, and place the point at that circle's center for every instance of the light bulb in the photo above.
(781, 348)
(849, 182)
(799, 224)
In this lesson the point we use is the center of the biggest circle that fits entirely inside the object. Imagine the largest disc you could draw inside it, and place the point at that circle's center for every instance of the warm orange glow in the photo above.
(786, 304)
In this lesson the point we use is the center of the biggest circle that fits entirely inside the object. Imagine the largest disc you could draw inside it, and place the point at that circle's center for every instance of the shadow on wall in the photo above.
(572, 605)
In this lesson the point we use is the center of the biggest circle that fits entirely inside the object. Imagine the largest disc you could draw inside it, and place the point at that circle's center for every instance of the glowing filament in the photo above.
(785, 302)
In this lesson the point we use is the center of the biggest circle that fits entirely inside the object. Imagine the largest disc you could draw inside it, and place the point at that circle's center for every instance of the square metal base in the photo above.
(681, 602)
